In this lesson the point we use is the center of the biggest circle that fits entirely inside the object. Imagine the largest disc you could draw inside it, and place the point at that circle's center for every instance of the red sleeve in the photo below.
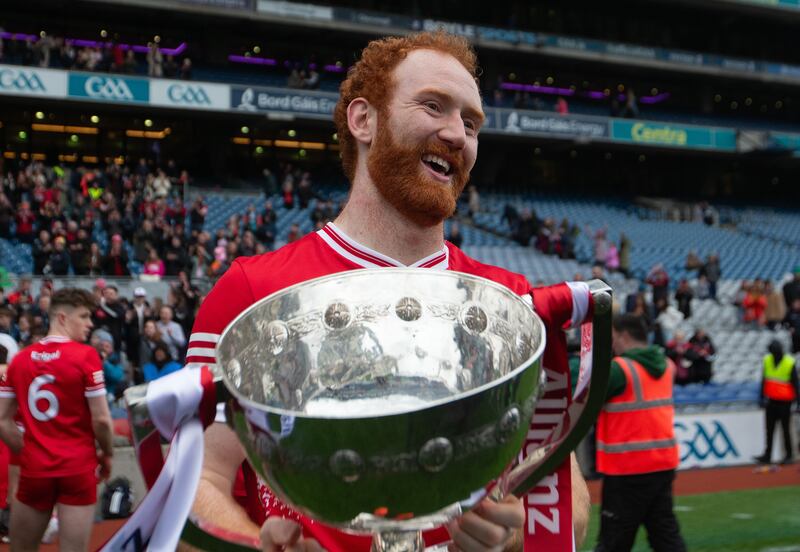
(563, 305)
(94, 383)
(229, 297)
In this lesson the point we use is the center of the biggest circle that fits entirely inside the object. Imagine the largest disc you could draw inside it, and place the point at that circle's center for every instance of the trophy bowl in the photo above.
(384, 399)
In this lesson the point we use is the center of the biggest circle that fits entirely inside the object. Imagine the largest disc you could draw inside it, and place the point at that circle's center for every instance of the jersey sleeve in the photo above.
(94, 383)
(229, 297)
(564, 305)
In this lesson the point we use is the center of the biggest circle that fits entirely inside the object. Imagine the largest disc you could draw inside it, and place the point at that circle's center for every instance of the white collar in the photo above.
(365, 257)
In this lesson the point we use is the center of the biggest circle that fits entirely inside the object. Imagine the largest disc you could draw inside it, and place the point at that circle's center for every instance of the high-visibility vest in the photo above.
(635, 431)
(777, 379)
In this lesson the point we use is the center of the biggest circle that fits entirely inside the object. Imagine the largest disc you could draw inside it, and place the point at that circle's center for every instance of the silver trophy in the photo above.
(391, 401)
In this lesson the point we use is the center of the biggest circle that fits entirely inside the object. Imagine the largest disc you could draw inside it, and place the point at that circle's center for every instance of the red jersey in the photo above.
(49, 380)
(325, 252)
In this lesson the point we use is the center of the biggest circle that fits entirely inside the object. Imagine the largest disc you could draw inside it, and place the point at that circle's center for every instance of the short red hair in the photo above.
(371, 78)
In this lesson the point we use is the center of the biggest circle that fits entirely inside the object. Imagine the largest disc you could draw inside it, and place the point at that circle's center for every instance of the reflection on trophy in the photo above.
(391, 401)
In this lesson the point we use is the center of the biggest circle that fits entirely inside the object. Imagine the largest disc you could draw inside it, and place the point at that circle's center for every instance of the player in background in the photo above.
(57, 387)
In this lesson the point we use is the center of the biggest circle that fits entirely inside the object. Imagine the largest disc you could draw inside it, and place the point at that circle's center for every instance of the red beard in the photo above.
(401, 180)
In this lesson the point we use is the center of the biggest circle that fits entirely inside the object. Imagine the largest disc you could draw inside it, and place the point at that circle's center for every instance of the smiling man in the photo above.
(408, 120)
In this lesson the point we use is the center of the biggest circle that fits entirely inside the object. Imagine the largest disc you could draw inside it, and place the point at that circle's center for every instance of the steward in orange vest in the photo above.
(636, 448)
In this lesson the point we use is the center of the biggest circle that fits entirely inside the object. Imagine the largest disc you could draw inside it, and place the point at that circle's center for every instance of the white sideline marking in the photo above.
(742, 516)
(791, 548)
(682, 508)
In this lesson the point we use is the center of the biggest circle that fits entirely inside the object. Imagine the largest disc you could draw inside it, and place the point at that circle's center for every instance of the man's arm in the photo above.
(103, 431)
(214, 502)
(9, 432)
(581, 504)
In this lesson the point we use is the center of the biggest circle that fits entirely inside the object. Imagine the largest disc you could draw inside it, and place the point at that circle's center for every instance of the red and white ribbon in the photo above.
(174, 402)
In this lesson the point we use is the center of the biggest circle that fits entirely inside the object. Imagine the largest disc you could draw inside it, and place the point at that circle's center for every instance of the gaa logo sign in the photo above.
(20, 81)
(108, 89)
(188, 95)
(701, 440)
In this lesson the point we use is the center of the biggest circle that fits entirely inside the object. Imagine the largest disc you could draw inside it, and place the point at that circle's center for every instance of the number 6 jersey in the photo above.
(50, 381)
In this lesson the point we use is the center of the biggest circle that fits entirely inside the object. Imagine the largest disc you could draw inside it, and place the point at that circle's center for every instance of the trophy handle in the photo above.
(588, 399)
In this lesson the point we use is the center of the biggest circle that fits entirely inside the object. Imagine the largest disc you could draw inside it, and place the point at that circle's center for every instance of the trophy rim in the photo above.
(246, 402)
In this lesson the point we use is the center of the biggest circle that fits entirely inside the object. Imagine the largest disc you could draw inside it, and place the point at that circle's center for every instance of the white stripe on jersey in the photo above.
(206, 337)
(95, 393)
(7, 393)
(200, 351)
(344, 253)
(580, 302)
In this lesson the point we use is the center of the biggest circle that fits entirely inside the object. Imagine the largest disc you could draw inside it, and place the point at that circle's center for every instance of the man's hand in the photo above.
(278, 534)
(490, 526)
(103, 466)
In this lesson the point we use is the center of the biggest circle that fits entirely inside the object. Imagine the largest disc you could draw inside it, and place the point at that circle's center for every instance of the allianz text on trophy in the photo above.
(390, 401)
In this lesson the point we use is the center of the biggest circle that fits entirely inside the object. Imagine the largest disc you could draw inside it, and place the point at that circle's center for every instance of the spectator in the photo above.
(129, 65)
(25, 220)
(624, 255)
(161, 185)
(154, 266)
(527, 227)
(7, 324)
(636, 448)
(42, 250)
(304, 191)
(175, 255)
(659, 279)
(454, 236)
(312, 82)
(137, 313)
(161, 364)
(779, 389)
(186, 69)
(562, 107)
(21, 297)
(150, 338)
(115, 262)
(791, 289)
(683, 297)
(755, 305)
(197, 215)
(676, 350)
(792, 322)
(712, 271)
(474, 201)
(171, 332)
(600, 245)
(170, 67)
(700, 353)
(288, 192)
(110, 315)
(668, 319)
(94, 265)
(59, 261)
(155, 61)
(693, 261)
(612, 257)
(294, 233)
(113, 371)
(701, 288)
(631, 108)
(776, 309)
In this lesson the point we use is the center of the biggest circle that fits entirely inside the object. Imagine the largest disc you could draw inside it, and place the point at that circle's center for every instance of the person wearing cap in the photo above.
(138, 312)
(791, 289)
(113, 371)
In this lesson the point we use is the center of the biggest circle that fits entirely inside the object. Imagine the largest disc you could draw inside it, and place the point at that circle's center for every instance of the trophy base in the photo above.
(398, 541)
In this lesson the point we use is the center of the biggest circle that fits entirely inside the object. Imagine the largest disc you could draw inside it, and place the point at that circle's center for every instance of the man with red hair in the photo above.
(408, 120)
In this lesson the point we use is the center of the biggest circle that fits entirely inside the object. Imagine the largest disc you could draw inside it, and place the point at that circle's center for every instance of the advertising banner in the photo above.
(190, 95)
(672, 135)
(535, 122)
(29, 81)
(319, 104)
(295, 10)
(722, 439)
(111, 88)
